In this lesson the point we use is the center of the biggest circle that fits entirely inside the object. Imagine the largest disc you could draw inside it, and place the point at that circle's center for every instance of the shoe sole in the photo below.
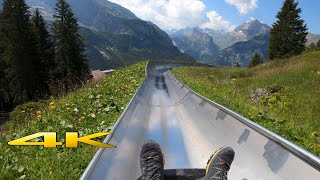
(212, 157)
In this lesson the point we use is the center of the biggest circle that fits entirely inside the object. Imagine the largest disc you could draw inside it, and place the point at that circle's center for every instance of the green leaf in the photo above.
(21, 168)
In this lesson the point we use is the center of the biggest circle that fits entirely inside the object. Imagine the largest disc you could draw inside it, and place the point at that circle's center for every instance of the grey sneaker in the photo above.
(219, 164)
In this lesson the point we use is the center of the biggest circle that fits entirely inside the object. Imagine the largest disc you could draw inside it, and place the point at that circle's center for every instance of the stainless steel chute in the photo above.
(190, 128)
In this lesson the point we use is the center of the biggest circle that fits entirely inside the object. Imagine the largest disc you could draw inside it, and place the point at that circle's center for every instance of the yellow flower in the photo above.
(23, 111)
(52, 107)
(68, 109)
(38, 114)
(314, 134)
(52, 103)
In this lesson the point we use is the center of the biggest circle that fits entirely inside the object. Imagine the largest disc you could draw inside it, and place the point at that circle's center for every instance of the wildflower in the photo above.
(68, 109)
(38, 114)
(23, 111)
(52, 105)
(76, 110)
(314, 134)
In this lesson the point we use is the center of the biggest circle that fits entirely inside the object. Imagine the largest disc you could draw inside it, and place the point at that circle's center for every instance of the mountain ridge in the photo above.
(120, 37)
(242, 52)
(195, 43)
(252, 28)
(237, 46)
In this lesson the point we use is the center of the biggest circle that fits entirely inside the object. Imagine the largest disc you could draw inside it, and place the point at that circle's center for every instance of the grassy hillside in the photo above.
(93, 109)
(287, 103)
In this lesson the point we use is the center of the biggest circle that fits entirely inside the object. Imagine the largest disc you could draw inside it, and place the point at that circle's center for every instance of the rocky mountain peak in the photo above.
(252, 28)
(194, 42)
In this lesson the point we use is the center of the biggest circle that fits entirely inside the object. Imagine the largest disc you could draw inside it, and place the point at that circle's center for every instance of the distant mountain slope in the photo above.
(312, 38)
(194, 43)
(223, 39)
(237, 46)
(242, 52)
(109, 50)
(114, 36)
(243, 32)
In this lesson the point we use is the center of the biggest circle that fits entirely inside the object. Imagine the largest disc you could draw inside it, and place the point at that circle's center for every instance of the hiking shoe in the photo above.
(219, 164)
(151, 161)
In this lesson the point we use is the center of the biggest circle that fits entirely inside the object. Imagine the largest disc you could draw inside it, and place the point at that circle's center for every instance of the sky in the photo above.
(216, 14)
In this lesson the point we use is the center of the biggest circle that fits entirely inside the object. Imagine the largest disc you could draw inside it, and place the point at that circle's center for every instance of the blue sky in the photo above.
(266, 12)
(216, 14)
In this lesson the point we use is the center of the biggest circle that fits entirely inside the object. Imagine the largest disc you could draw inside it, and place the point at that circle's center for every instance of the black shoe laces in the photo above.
(226, 168)
(223, 169)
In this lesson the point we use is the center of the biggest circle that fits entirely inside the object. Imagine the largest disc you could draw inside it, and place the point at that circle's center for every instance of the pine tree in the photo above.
(238, 64)
(19, 53)
(256, 60)
(71, 62)
(288, 33)
(4, 93)
(45, 50)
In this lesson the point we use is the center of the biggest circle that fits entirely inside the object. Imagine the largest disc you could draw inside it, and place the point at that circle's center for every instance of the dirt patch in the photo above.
(97, 74)
(256, 95)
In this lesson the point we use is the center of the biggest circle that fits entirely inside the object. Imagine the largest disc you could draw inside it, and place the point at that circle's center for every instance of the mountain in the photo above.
(194, 43)
(114, 36)
(251, 29)
(238, 45)
(244, 32)
(222, 38)
(242, 52)
(312, 38)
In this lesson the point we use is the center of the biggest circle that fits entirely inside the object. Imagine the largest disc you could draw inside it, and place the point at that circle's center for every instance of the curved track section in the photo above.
(190, 128)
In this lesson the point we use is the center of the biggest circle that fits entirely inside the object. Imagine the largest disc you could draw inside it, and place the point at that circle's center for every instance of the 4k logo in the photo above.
(72, 140)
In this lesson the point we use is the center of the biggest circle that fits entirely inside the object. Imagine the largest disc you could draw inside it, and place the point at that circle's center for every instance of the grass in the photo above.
(292, 106)
(90, 110)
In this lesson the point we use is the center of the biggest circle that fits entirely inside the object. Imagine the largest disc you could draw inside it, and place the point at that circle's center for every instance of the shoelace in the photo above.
(224, 170)
(225, 175)
(152, 165)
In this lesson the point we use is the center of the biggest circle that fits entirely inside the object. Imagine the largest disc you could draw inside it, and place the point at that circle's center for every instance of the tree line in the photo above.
(35, 64)
(288, 34)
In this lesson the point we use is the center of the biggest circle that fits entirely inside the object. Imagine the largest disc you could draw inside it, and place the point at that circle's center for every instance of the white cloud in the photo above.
(217, 22)
(168, 14)
(243, 6)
